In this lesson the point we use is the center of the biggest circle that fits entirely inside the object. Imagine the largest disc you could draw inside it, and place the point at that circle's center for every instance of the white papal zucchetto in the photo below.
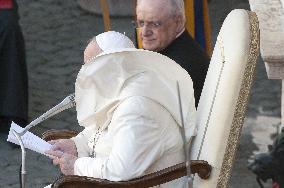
(112, 40)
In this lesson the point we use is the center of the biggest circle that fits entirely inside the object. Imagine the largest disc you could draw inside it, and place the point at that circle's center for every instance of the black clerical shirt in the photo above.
(190, 56)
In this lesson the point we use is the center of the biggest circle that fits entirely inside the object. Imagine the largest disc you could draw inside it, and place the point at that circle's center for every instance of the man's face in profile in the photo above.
(157, 26)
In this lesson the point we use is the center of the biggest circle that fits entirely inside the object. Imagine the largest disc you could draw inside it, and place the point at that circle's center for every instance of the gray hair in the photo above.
(177, 8)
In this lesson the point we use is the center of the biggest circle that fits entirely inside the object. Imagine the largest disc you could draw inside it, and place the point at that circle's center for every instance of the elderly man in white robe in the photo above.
(127, 101)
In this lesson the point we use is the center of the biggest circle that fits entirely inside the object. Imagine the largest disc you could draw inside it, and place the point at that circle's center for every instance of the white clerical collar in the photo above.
(179, 34)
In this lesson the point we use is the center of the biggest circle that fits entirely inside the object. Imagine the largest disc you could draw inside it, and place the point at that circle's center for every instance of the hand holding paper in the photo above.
(61, 154)
(65, 162)
(64, 145)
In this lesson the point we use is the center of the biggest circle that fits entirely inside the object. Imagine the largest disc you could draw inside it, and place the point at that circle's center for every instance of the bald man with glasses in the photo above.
(161, 26)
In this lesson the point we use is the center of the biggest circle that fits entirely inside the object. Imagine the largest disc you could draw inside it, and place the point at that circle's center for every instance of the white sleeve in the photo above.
(81, 142)
(137, 142)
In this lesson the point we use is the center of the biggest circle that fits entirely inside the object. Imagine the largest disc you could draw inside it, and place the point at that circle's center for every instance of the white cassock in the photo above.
(127, 101)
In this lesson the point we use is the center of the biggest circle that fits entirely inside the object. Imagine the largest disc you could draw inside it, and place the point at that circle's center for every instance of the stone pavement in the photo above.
(56, 33)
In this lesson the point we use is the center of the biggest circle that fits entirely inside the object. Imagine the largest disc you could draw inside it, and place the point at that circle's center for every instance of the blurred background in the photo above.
(56, 33)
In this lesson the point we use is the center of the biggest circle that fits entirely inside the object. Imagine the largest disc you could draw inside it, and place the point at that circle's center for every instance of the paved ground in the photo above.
(56, 33)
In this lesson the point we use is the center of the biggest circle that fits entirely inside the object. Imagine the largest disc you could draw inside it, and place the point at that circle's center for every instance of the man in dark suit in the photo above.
(13, 71)
(161, 26)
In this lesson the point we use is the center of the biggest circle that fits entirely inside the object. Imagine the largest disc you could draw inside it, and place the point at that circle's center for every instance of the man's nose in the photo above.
(146, 31)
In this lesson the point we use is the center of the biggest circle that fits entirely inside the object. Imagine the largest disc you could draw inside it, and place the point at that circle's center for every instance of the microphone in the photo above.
(67, 103)
(185, 147)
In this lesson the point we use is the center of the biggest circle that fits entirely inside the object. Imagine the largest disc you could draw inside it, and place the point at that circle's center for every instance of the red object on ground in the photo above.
(275, 185)
(6, 4)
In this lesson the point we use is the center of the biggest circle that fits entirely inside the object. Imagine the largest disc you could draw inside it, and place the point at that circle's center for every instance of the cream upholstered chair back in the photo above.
(224, 98)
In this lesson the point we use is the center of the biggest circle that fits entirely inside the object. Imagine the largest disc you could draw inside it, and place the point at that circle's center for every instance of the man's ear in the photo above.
(180, 24)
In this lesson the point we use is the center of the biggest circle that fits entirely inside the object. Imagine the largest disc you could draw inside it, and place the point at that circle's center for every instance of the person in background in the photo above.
(161, 26)
(13, 70)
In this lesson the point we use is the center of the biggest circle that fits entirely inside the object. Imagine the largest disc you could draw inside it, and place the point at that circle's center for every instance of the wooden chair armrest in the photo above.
(202, 168)
(58, 134)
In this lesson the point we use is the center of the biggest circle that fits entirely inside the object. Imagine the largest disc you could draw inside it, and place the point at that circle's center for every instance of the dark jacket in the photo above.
(190, 56)
(13, 71)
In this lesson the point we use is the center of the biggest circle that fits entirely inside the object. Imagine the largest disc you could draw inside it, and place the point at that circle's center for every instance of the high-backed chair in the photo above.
(221, 112)
(225, 94)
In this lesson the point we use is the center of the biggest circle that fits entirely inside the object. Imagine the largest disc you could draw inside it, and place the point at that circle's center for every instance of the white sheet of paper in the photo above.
(30, 140)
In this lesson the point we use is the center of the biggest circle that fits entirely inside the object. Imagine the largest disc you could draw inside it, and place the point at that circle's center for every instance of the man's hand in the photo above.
(64, 154)
(64, 145)
(64, 160)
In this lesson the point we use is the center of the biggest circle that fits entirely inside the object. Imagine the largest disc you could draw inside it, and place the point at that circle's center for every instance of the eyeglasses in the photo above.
(150, 25)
